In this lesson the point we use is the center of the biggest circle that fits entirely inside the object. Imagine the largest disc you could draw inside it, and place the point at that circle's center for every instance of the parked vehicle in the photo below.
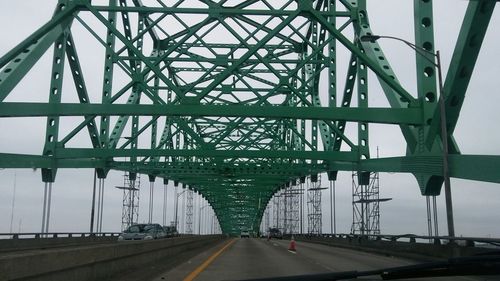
(275, 233)
(142, 232)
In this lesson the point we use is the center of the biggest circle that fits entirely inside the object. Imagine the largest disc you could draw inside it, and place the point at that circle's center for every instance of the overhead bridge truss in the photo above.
(235, 99)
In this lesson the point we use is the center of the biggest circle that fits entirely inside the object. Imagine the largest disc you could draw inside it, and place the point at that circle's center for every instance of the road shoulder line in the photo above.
(206, 263)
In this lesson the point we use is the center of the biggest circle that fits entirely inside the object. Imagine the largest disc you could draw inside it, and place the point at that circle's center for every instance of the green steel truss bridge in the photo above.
(238, 99)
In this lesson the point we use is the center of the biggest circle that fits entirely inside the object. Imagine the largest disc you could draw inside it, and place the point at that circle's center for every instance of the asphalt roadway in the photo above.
(246, 258)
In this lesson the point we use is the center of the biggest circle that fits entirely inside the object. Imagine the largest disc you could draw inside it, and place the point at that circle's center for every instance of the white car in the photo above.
(142, 232)
(244, 234)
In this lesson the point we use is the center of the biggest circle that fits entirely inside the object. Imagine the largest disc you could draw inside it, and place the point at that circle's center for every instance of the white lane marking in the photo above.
(275, 245)
(292, 252)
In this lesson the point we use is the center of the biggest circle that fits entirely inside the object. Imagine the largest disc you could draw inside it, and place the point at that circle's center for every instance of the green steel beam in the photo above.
(395, 98)
(65, 153)
(19, 61)
(373, 65)
(62, 14)
(55, 96)
(213, 11)
(81, 88)
(363, 127)
(374, 115)
(427, 90)
(467, 48)
(470, 167)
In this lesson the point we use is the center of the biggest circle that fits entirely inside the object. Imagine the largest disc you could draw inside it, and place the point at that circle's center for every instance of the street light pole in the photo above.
(177, 209)
(442, 113)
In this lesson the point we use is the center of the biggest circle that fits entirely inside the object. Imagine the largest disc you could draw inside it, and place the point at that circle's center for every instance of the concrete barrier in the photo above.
(413, 250)
(96, 262)
(7, 245)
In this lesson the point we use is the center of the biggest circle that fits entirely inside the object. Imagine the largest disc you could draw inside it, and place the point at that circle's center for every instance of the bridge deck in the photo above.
(258, 258)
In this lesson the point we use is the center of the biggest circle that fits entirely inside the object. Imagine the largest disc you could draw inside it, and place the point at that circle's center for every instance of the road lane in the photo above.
(256, 258)
(341, 259)
(259, 258)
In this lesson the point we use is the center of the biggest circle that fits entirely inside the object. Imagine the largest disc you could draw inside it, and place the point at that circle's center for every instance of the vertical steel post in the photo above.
(108, 77)
(49, 199)
(165, 202)
(331, 207)
(92, 210)
(429, 217)
(436, 227)
(102, 205)
(302, 208)
(176, 209)
(199, 220)
(151, 190)
(44, 212)
(183, 212)
(131, 203)
(13, 203)
(444, 138)
(98, 205)
(363, 211)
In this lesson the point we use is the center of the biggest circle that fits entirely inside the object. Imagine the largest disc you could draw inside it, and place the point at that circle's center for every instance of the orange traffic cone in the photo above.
(291, 248)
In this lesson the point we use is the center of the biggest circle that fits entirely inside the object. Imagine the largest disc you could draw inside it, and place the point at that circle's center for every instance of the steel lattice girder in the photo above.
(229, 94)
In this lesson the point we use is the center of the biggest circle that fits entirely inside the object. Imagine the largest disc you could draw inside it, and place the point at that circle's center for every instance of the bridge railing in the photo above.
(10, 242)
(413, 238)
(409, 245)
(26, 235)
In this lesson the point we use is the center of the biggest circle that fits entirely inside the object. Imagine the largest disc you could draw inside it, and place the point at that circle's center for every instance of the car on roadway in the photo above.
(245, 234)
(275, 233)
(170, 231)
(142, 232)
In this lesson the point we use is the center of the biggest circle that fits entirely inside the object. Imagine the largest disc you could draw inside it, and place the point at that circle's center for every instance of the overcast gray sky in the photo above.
(477, 209)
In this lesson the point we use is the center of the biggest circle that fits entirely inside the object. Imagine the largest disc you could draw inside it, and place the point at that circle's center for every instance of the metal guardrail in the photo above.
(16, 242)
(27, 235)
(412, 238)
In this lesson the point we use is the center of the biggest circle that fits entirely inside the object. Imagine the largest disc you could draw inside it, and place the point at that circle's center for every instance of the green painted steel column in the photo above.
(362, 92)
(55, 92)
(136, 69)
(332, 62)
(107, 88)
(83, 96)
(363, 135)
(426, 75)
(426, 87)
